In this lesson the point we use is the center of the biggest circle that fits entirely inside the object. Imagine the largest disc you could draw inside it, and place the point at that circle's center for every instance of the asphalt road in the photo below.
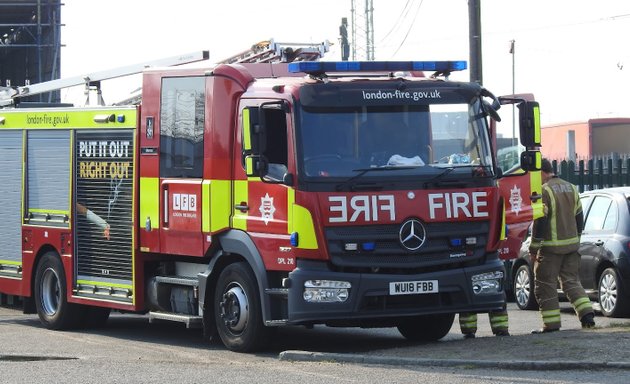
(130, 349)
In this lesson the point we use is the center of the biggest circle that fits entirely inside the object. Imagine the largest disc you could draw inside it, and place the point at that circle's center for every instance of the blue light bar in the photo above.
(319, 67)
(369, 246)
(456, 242)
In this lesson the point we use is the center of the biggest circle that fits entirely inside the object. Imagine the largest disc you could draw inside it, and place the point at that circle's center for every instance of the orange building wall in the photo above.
(554, 140)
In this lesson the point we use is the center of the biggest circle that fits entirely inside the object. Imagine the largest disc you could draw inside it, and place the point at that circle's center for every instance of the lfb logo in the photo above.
(184, 202)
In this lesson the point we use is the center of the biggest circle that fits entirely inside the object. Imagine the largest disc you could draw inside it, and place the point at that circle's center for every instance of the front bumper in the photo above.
(369, 297)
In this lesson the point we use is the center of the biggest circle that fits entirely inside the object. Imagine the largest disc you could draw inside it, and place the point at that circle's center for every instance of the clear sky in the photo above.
(571, 54)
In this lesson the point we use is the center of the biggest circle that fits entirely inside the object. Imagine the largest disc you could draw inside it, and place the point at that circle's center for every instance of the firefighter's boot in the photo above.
(588, 321)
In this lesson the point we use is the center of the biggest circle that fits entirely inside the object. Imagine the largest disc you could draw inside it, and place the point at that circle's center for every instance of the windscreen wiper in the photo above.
(477, 172)
(363, 171)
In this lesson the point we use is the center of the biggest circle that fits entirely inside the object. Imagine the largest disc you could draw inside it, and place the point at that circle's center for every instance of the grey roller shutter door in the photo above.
(48, 162)
(10, 196)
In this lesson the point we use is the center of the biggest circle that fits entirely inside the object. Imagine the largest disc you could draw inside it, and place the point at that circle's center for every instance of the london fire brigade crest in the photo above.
(266, 208)
(516, 201)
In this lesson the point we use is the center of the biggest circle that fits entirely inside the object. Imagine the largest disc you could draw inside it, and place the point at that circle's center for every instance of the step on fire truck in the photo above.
(258, 193)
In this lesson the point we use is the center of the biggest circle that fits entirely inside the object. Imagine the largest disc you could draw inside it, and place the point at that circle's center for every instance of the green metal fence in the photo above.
(595, 173)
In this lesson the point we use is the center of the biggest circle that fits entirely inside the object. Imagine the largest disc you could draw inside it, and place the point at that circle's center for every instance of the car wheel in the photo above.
(523, 286)
(610, 294)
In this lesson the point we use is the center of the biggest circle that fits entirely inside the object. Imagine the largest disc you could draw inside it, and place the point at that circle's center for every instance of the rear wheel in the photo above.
(237, 310)
(524, 288)
(51, 301)
(611, 295)
(426, 327)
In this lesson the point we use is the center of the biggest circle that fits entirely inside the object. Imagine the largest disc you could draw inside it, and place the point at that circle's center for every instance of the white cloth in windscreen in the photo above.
(401, 160)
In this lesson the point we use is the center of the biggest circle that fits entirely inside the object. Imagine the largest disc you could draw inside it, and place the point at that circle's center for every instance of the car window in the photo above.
(596, 216)
(610, 224)
(586, 203)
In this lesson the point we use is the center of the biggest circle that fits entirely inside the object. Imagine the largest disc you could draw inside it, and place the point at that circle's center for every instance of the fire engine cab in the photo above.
(243, 196)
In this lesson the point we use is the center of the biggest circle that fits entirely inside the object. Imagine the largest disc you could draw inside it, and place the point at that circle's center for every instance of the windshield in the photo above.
(413, 139)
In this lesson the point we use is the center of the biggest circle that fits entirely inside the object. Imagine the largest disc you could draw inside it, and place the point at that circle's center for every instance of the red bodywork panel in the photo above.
(516, 193)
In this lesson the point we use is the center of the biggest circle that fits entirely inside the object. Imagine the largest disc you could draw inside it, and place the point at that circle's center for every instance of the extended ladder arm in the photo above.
(8, 95)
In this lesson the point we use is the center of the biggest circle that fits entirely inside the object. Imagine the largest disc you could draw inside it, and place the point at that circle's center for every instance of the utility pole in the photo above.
(369, 29)
(362, 44)
(474, 35)
(513, 52)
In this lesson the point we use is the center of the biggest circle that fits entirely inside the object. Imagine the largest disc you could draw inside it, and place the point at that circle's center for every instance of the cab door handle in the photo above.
(243, 207)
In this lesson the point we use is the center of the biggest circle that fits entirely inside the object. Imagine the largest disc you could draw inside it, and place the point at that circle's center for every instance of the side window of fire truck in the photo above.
(182, 109)
(276, 147)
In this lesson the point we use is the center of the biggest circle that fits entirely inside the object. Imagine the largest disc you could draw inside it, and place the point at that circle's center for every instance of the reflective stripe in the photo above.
(247, 145)
(581, 304)
(578, 204)
(498, 319)
(554, 241)
(67, 118)
(219, 201)
(468, 322)
(468, 318)
(537, 127)
(104, 284)
(572, 240)
(503, 225)
(239, 220)
(150, 201)
(551, 316)
(302, 223)
(205, 206)
(535, 181)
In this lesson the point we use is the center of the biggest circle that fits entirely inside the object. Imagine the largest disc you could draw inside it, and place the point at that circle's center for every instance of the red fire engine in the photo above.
(246, 195)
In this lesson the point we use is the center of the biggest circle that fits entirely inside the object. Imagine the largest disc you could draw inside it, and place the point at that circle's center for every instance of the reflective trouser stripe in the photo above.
(498, 321)
(582, 306)
(551, 318)
(468, 322)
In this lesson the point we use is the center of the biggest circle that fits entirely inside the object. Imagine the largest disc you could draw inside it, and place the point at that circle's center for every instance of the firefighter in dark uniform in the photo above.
(498, 323)
(555, 243)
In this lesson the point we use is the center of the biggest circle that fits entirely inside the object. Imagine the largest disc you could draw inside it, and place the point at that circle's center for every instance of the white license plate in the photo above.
(413, 287)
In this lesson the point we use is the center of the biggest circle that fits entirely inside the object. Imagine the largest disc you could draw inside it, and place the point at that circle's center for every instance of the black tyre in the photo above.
(611, 295)
(237, 310)
(426, 327)
(523, 286)
(51, 302)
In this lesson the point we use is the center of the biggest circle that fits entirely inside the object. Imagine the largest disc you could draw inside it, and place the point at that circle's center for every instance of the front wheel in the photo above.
(237, 310)
(426, 327)
(611, 295)
(51, 301)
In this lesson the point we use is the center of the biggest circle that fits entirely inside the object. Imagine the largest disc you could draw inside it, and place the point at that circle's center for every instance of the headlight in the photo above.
(487, 283)
(326, 291)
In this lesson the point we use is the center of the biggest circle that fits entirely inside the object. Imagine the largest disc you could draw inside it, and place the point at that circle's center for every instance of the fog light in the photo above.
(326, 291)
(487, 283)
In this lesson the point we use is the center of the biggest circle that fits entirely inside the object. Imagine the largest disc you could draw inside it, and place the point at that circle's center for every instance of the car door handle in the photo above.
(599, 243)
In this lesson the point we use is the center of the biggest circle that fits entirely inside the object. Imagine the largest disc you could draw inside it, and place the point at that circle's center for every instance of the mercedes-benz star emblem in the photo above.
(412, 234)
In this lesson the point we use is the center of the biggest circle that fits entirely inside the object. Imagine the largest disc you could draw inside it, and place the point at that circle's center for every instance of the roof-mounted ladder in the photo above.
(269, 51)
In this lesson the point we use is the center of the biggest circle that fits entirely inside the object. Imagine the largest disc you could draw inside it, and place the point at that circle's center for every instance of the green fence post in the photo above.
(581, 176)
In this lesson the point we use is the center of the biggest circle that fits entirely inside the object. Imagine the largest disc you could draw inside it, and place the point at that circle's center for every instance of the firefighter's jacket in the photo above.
(558, 231)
